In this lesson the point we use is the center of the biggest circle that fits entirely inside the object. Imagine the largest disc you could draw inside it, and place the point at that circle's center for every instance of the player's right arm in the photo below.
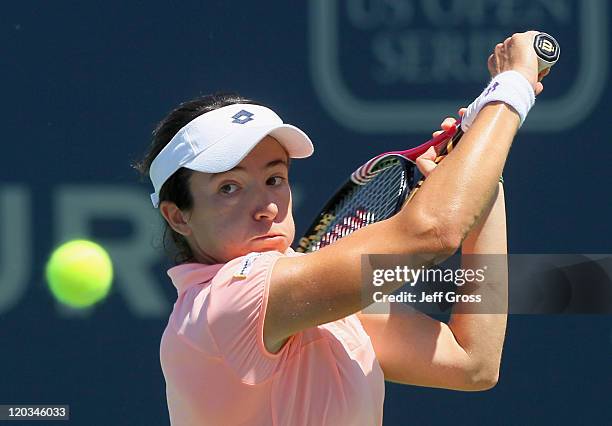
(327, 285)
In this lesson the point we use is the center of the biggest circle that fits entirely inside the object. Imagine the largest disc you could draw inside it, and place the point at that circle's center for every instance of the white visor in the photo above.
(217, 141)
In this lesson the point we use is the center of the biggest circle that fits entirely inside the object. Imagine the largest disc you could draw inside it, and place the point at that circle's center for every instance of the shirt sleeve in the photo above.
(238, 301)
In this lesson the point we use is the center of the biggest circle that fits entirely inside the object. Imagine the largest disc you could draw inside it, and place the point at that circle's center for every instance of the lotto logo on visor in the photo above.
(242, 117)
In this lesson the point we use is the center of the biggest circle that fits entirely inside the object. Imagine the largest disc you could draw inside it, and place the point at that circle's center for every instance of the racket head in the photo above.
(375, 191)
(376, 197)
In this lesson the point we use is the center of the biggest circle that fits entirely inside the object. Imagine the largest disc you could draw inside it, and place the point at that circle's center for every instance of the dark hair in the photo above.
(176, 188)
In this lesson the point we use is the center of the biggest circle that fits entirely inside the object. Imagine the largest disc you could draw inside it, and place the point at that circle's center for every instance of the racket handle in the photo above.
(547, 49)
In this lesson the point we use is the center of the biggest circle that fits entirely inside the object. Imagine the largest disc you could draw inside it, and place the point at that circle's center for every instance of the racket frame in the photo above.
(368, 171)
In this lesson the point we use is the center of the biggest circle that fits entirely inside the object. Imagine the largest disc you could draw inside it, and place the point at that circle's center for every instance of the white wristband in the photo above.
(510, 87)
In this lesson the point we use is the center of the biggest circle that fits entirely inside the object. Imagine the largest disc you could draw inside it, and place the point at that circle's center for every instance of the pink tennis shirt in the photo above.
(218, 371)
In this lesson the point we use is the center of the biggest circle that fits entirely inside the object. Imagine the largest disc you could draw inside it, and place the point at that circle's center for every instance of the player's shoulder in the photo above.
(251, 264)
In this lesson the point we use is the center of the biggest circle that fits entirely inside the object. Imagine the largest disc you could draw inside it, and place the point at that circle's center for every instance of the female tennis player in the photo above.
(261, 335)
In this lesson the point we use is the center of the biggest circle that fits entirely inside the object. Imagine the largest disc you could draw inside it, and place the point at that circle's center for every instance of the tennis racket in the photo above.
(379, 188)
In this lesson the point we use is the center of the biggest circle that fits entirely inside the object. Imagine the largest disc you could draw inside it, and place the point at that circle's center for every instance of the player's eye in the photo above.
(275, 180)
(228, 188)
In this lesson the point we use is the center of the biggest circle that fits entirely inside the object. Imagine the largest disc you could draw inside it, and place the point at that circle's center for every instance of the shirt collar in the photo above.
(190, 274)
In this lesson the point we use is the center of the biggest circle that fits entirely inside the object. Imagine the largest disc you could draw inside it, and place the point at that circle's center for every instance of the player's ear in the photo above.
(175, 217)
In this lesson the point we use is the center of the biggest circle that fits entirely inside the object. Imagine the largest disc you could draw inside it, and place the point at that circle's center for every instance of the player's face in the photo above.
(243, 210)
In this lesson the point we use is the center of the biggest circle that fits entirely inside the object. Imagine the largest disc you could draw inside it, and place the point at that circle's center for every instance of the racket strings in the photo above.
(379, 189)
(366, 204)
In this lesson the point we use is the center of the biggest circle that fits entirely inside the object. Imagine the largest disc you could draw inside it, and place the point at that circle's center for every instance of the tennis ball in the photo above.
(79, 273)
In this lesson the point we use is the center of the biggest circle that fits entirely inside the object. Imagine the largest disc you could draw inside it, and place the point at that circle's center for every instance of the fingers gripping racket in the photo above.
(379, 188)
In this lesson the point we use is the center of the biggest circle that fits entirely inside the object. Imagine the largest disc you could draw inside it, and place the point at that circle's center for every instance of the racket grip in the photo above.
(547, 49)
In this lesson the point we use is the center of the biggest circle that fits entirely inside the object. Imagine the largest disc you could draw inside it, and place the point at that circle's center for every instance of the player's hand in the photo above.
(517, 53)
(426, 162)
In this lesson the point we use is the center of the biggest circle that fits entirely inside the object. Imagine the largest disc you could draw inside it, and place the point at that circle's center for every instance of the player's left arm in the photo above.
(465, 354)
(413, 348)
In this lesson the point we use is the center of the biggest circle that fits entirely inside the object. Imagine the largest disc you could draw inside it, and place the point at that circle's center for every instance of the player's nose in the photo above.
(266, 211)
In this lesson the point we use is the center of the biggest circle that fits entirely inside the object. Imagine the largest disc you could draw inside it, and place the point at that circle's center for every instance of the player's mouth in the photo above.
(269, 237)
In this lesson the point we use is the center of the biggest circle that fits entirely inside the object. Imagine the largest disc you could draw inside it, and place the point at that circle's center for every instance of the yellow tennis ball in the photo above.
(79, 273)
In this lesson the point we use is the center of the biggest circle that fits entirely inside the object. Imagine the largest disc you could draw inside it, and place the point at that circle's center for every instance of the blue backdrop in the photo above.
(84, 84)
